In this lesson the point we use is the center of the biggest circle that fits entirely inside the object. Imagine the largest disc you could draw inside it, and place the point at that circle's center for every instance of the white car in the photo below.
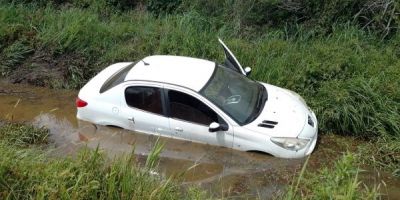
(200, 101)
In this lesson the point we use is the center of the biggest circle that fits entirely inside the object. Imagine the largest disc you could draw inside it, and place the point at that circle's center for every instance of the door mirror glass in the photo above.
(214, 126)
(247, 70)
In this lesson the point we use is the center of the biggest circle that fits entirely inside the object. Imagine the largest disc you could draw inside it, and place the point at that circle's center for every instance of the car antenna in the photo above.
(145, 63)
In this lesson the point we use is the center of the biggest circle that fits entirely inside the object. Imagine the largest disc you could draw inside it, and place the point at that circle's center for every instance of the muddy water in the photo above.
(221, 171)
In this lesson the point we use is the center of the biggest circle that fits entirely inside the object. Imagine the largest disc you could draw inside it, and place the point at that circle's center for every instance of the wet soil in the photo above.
(221, 171)
(44, 68)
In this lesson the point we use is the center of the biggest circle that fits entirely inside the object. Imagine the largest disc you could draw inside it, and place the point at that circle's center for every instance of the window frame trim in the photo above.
(167, 86)
(162, 98)
(106, 84)
(168, 108)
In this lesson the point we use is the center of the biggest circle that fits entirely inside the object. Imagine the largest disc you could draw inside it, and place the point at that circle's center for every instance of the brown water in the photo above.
(221, 171)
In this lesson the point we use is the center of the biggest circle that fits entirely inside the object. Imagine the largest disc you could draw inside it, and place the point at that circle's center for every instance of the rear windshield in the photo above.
(116, 78)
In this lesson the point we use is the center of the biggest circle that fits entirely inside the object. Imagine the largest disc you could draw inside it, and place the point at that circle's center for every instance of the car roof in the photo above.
(189, 72)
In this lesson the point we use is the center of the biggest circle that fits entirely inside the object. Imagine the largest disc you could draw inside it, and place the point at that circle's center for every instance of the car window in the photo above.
(116, 78)
(238, 96)
(145, 98)
(188, 108)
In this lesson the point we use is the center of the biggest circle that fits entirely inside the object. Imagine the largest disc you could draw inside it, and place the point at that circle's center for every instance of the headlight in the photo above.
(310, 121)
(293, 144)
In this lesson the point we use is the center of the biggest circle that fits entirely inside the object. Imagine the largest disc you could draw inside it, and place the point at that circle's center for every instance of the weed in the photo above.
(339, 182)
(152, 158)
(382, 154)
(29, 173)
(12, 56)
(23, 135)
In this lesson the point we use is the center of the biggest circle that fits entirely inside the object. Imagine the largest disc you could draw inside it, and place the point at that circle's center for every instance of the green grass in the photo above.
(382, 154)
(340, 181)
(29, 172)
(21, 135)
(13, 56)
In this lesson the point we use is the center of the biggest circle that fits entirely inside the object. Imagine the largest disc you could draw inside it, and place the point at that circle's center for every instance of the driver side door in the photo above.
(190, 118)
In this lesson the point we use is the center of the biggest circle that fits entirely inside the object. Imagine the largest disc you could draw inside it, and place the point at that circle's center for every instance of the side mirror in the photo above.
(214, 127)
(247, 70)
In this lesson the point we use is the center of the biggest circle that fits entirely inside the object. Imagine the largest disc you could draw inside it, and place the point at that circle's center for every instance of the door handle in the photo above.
(132, 119)
(179, 129)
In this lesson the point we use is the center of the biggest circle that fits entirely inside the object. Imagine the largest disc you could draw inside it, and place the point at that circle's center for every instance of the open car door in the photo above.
(232, 62)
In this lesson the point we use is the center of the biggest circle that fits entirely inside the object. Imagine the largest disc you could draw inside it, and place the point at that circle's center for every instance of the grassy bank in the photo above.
(28, 172)
(340, 181)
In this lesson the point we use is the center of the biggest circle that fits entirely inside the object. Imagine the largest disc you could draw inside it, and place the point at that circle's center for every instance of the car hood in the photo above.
(284, 114)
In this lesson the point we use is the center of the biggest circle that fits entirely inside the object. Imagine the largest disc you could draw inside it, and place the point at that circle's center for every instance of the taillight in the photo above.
(80, 103)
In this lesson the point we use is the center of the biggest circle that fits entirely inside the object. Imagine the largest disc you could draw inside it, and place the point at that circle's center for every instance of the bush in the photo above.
(380, 17)
(162, 7)
(35, 2)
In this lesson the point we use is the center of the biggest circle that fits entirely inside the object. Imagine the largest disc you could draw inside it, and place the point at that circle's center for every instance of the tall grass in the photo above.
(340, 181)
(382, 154)
(22, 135)
(13, 56)
(30, 173)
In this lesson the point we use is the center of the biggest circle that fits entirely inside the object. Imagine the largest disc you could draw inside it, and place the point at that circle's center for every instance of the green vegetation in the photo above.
(383, 154)
(342, 56)
(31, 173)
(338, 182)
(21, 135)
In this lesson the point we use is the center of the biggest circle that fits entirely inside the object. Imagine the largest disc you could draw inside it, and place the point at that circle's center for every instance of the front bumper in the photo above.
(308, 132)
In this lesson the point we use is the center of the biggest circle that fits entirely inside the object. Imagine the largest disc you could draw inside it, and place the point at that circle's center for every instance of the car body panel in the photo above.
(140, 120)
(200, 133)
(192, 73)
(289, 114)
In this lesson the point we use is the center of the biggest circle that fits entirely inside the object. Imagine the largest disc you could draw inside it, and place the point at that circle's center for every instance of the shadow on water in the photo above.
(222, 171)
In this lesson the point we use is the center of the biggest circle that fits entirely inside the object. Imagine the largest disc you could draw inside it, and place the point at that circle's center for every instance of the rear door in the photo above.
(190, 119)
(230, 59)
(142, 109)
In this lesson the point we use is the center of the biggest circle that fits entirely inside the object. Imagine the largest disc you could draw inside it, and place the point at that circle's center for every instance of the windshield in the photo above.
(238, 96)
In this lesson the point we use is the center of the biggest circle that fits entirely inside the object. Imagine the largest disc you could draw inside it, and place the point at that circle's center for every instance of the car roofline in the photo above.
(211, 78)
(196, 72)
(159, 82)
(153, 81)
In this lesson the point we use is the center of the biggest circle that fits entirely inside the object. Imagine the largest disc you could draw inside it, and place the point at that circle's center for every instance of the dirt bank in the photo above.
(48, 69)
